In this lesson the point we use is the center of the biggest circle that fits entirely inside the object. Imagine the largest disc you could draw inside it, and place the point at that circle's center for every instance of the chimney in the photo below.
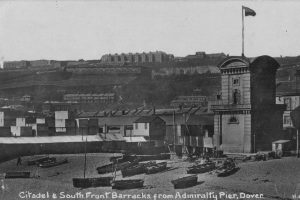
(153, 110)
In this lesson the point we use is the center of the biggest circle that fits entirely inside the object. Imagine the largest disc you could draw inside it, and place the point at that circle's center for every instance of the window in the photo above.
(287, 102)
(136, 126)
(236, 96)
(286, 120)
(235, 81)
(233, 120)
(218, 96)
(146, 125)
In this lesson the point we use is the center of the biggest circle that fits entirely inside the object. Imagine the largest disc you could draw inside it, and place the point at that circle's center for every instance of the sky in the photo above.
(72, 30)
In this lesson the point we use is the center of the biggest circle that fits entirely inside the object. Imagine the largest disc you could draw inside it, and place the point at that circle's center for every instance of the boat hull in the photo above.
(17, 175)
(227, 172)
(111, 167)
(92, 182)
(133, 170)
(153, 157)
(198, 169)
(156, 168)
(53, 164)
(37, 160)
(128, 184)
(184, 182)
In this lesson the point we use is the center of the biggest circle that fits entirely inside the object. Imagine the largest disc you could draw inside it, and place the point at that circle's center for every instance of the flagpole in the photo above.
(243, 32)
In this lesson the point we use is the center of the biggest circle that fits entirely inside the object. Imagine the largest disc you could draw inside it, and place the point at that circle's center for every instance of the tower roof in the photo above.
(234, 62)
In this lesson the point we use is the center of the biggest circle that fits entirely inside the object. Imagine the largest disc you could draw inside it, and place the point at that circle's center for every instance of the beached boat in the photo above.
(17, 175)
(49, 160)
(53, 164)
(124, 158)
(227, 171)
(127, 184)
(92, 182)
(185, 182)
(112, 167)
(156, 168)
(36, 160)
(133, 170)
(202, 168)
(162, 156)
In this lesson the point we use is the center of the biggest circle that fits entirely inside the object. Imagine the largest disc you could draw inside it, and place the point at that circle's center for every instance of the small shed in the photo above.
(152, 126)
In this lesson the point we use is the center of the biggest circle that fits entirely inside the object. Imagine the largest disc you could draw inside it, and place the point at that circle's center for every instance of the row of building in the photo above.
(166, 126)
(104, 98)
(151, 57)
(23, 64)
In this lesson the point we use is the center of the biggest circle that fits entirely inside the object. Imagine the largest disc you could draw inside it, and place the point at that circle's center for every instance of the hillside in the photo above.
(161, 91)
(131, 88)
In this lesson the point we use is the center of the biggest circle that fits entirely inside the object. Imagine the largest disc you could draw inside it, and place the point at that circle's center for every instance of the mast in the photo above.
(243, 36)
(84, 169)
(174, 131)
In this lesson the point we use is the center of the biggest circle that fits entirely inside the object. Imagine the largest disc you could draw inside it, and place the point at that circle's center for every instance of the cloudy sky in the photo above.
(88, 29)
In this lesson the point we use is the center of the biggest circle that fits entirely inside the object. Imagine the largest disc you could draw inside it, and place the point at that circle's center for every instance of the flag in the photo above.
(249, 11)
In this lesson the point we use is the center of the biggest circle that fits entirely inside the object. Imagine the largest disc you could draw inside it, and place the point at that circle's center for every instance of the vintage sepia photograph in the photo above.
(149, 99)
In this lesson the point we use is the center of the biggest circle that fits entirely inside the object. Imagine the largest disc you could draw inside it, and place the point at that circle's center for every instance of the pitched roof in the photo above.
(117, 121)
(146, 119)
(180, 119)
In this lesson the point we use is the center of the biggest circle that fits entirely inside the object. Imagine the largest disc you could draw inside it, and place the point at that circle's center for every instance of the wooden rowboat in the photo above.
(49, 160)
(202, 168)
(37, 160)
(156, 168)
(185, 182)
(17, 175)
(53, 164)
(111, 167)
(227, 172)
(127, 184)
(92, 182)
(152, 157)
(133, 170)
